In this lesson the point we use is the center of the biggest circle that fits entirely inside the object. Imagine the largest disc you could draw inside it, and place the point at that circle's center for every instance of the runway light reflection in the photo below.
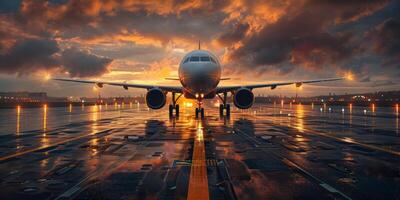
(350, 108)
(94, 118)
(189, 104)
(18, 119)
(300, 116)
(44, 119)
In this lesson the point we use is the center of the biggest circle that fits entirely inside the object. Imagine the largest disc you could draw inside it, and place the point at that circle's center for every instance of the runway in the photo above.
(271, 151)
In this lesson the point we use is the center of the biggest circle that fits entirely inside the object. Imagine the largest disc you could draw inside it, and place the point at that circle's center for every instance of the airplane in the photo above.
(199, 75)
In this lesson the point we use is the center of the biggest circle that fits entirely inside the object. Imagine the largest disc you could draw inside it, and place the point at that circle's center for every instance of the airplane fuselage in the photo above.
(199, 74)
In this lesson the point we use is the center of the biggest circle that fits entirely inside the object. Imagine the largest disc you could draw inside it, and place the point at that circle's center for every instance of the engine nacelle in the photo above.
(155, 98)
(243, 98)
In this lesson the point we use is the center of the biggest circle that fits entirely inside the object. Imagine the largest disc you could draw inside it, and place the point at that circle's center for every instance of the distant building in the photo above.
(28, 97)
(23, 97)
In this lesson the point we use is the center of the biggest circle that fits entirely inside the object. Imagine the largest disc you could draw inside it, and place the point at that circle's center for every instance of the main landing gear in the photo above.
(174, 106)
(224, 106)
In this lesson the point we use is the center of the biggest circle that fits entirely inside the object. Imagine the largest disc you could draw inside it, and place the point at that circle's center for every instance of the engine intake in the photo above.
(155, 98)
(243, 98)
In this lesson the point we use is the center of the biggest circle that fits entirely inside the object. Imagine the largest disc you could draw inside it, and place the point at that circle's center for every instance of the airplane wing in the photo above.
(176, 89)
(172, 78)
(223, 89)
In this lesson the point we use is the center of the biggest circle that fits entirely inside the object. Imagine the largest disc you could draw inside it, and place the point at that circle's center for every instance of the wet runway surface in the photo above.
(267, 152)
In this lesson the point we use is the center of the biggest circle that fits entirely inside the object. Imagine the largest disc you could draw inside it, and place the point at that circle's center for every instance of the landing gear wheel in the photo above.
(202, 112)
(197, 113)
(224, 106)
(177, 110)
(221, 109)
(171, 110)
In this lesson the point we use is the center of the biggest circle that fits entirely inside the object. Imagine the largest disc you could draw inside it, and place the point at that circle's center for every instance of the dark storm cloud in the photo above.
(302, 37)
(28, 43)
(234, 35)
(386, 37)
(29, 56)
(7, 6)
(83, 64)
(153, 26)
(95, 18)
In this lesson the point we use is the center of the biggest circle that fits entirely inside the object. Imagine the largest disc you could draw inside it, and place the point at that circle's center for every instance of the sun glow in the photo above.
(349, 76)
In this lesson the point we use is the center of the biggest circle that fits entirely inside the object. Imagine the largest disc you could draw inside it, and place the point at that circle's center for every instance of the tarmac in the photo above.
(271, 151)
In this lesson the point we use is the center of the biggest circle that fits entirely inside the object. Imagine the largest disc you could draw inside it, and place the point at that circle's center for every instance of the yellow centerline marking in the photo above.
(198, 182)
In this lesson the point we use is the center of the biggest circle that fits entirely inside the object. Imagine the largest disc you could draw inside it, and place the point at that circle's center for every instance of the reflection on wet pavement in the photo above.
(275, 151)
(198, 182)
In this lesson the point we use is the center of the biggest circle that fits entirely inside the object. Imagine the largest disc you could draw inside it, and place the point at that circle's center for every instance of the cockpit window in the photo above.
(205, 59)
(212, 60)
(194, 59)
(186, 60)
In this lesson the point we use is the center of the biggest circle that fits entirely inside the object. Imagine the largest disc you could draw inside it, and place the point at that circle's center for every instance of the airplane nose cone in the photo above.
(200, 78)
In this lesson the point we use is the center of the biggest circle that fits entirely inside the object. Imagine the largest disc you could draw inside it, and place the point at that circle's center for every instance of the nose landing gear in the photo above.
(200, 111)
(224, 106)
(174, 106)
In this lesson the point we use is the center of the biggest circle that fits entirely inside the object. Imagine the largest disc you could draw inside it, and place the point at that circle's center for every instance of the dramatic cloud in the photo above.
(302, 37)
(32, 55)
(386, 37)
(268, 38)
(29, 56)
(234, 35)
(83, 64)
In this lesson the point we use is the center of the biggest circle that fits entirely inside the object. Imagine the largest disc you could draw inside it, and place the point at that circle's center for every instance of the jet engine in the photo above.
(243, 98)
(155, 98)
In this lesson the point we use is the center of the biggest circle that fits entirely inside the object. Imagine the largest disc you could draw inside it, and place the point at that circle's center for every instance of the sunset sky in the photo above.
(144, 41)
